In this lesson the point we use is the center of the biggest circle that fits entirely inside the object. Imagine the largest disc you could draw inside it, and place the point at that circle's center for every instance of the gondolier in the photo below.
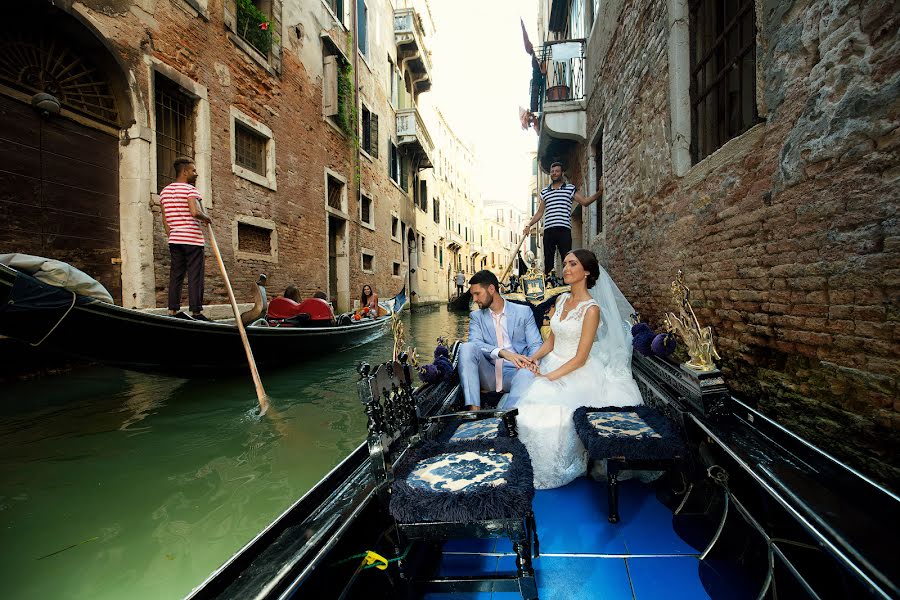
(182, 214)
(556, 210)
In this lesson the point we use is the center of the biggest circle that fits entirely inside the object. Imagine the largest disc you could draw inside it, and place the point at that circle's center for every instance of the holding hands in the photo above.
(520, 360)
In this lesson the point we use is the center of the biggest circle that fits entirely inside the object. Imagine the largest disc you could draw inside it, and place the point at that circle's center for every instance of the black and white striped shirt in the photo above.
(558, 205)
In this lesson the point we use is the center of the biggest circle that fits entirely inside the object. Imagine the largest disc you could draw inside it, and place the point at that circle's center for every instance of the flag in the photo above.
(400, 300)
(528, 47)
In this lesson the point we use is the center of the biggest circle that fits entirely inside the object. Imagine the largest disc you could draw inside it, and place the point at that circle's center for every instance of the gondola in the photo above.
(42, 315)
(755, 511)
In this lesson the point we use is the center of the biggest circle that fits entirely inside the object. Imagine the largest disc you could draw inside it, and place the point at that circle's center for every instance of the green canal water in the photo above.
(115, 484)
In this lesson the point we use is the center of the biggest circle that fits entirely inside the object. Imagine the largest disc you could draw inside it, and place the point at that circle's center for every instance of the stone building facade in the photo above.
(501, 229)
(769, 177)
(302, 117)
(446, 220)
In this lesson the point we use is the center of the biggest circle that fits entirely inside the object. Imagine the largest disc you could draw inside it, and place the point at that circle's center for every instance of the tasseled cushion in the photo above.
(469, 480)
(632, 432)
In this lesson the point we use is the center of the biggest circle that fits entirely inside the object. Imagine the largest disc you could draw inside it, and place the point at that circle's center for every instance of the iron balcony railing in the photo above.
(559, 75)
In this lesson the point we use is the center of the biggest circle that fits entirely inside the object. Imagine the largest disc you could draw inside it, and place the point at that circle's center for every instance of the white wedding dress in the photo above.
(545, 422)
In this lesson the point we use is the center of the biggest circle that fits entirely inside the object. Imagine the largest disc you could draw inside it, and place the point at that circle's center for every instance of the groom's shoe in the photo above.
(471, 407)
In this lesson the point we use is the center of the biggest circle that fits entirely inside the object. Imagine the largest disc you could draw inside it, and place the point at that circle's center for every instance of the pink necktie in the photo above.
(498, 364)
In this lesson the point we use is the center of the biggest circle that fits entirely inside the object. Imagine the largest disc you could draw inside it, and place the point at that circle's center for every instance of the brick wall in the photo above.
(788, 234)
(286, 97)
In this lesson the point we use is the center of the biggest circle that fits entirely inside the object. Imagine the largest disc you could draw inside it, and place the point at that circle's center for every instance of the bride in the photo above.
(586, 361)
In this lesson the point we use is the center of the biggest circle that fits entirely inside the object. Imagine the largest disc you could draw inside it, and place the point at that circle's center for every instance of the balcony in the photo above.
(558, 93)
(411, 49)
(413, 138)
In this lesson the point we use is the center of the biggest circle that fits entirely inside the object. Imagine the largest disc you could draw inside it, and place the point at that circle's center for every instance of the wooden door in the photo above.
(59, 192)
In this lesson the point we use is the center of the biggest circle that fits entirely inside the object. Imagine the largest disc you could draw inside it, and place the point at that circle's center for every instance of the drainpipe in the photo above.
(357, 163)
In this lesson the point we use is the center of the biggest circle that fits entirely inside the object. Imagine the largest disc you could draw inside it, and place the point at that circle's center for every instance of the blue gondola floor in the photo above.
(583, 556)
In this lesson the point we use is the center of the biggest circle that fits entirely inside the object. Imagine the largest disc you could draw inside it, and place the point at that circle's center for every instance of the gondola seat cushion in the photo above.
(480, 430)
(466, 481)
(630, 432)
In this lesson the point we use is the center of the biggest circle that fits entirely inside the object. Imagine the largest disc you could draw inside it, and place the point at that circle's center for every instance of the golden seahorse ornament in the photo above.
(698, 340)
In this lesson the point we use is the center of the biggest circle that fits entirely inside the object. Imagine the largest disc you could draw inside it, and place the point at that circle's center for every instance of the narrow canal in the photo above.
(115, 484)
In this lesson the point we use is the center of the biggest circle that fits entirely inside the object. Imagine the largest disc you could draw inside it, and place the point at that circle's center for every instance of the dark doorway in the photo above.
(59, 192)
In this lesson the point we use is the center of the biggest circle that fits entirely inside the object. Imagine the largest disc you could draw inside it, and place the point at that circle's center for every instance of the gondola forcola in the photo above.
(79, 324)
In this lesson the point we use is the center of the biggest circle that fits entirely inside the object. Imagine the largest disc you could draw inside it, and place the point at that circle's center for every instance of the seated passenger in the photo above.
(368, 304)
(291, 292)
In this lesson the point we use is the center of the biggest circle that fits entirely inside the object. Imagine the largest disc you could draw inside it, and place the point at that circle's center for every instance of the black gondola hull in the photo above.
(141, 341)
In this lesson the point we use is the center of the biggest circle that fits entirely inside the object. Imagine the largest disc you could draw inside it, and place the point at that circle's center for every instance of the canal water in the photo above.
(115, 484)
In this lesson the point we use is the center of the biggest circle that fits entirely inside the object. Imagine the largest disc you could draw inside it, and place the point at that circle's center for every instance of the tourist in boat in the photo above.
(292, 292)
(586, 361)
(368, 298)
(368, 303)
(182, 215)
(501, 335)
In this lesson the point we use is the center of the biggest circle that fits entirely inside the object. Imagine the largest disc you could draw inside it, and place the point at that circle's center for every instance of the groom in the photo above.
(501, 337)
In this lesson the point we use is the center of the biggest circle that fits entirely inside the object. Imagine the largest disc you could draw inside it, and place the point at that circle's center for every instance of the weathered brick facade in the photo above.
(196, 47)
(788, 234)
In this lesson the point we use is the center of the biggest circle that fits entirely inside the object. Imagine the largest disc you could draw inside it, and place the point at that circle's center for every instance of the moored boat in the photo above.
(43, 315)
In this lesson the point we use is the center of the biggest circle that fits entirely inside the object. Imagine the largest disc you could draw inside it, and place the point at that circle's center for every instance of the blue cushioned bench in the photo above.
(638, 438)
(472, 480)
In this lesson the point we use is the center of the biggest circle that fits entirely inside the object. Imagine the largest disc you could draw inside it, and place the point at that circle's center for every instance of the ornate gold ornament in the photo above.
(398, 333)
(698, 340)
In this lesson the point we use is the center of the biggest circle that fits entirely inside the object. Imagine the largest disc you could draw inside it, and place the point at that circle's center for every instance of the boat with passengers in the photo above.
(47, 303)
(438, 503)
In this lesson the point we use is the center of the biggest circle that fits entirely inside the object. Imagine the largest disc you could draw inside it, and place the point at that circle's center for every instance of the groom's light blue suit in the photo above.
(476, 367)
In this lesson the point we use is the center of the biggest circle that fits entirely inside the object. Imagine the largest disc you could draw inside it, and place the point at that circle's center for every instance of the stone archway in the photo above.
(61, 112)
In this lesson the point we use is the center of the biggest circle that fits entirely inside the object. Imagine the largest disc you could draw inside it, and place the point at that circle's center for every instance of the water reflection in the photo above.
(116, 484)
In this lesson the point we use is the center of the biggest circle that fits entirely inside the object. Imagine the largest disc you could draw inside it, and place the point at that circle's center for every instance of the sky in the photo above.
(481, 75)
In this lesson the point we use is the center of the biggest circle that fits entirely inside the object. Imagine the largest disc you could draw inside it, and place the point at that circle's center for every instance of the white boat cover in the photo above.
(59, 274)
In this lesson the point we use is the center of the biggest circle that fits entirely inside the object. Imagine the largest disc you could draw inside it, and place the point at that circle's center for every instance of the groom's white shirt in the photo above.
(495, 353)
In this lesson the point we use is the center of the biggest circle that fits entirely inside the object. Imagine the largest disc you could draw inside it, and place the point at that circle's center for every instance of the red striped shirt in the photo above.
(183, 228)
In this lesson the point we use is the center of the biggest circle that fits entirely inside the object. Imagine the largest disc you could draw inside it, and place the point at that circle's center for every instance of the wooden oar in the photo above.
(260, 392)
(514, 255)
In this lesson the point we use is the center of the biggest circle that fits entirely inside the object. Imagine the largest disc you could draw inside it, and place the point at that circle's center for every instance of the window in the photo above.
(423, 196)
(394, 164)
(392, 75)
(396, 269)
(337, 7)
(435, 252)
(366, 214)
(368, 262)
(395, 228)
(337, 194)
(254, 24)
(441, 256)
(254, 238)
(369, 132)
(436, 209)
(362, 27)
(249, 149)
(174, 128)
(723, 73)
(404, 172)
(252, 150)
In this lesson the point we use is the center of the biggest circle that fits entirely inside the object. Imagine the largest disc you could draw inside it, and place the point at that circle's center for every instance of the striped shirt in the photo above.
(183, 228)
(558, 205)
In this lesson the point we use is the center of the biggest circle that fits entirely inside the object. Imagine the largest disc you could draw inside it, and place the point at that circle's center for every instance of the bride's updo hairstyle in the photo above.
(589, 263)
